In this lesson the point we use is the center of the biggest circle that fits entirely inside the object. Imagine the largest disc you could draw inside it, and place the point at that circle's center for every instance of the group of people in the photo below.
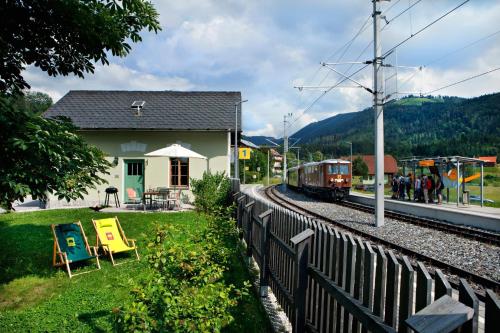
(425, 188)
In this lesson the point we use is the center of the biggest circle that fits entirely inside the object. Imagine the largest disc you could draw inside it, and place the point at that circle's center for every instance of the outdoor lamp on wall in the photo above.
(115, 161)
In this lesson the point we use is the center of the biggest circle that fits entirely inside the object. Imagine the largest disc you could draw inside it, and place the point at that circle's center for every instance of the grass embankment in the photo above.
(38, 298)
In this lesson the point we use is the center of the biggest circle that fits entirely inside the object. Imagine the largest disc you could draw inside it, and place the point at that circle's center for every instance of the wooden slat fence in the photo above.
(326, 280)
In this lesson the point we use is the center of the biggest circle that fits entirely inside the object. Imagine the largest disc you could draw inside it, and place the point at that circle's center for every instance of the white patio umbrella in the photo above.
(176, 151)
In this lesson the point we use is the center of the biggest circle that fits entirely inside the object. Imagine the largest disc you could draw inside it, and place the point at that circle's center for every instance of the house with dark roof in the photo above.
(126, 125)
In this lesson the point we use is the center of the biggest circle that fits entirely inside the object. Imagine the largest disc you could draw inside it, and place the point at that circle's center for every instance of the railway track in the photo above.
(476, 234)
(481, 281)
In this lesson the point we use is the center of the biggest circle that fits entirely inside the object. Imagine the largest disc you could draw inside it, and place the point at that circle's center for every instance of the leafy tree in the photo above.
(41, 156)
(34, 102)
(359, 167)
(67, 37)
(291, 159)
(423, 126)
(317, 156)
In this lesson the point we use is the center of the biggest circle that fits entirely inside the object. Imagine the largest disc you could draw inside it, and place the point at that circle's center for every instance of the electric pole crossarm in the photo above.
(347, 78)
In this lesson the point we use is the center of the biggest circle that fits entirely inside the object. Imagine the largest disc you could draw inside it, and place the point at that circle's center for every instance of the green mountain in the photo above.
(414, 126)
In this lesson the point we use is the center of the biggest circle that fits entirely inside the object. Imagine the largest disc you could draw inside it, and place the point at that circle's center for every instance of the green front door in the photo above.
(134, 180)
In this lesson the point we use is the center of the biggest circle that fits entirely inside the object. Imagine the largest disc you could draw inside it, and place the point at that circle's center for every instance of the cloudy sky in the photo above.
(264, 48)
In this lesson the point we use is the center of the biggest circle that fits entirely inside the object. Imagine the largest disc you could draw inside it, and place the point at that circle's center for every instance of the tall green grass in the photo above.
(36, 297)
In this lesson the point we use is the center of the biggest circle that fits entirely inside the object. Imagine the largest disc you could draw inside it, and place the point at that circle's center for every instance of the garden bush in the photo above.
(186, 291)
(211, 191)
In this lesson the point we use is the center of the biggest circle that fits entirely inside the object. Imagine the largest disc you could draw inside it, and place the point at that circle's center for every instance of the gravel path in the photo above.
(480, 258)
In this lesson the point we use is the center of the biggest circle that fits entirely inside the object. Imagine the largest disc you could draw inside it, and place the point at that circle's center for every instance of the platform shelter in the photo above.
(455, 172)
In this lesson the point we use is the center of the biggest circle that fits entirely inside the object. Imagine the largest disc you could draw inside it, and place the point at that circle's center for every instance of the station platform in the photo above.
(487, 218)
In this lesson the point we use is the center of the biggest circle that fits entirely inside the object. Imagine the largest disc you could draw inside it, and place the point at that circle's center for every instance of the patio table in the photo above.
(149, 195)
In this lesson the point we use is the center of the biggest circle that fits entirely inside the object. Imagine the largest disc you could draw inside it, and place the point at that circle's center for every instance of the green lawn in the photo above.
(38, 298)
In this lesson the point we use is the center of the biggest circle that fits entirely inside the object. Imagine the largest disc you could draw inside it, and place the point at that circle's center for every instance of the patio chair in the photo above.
(71, 245)
(132, 196)
(162, 197)
(174, 197)
(110, 235)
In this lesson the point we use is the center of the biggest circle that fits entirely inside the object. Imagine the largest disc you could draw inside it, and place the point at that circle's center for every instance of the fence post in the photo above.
(264, 251)
(492, 312)
(249, 214)
(467, 296)
(235, 211)
(301, 244)
(239, 212)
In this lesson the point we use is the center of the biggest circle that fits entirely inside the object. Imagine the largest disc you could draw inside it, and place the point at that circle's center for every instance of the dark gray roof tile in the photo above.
(173, 110)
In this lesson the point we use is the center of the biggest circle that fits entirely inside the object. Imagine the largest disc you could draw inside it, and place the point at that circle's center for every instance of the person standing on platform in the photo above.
(439, 189)
(432, 188)
(408, 186)
(394, 184)
(402, 187)
(418, 190)
(426, 184)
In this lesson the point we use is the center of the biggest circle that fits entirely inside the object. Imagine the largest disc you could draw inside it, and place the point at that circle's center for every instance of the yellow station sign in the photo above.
(244, 153)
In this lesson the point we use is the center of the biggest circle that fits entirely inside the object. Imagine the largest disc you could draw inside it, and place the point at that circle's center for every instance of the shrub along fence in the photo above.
(327, 281)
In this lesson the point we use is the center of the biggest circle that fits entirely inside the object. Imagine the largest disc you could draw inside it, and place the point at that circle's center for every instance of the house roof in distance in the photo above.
(248, 144)
(390, 164)
(162, 110)
(488, 159)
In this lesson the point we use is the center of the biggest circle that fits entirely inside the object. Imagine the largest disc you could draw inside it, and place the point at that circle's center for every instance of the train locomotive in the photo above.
(329, 179)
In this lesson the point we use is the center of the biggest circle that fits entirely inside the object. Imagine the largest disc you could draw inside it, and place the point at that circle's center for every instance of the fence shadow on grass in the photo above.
(25, 249)
(89, 319)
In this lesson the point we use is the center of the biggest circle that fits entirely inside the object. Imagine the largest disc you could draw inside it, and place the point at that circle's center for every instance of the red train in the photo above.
(330, 179)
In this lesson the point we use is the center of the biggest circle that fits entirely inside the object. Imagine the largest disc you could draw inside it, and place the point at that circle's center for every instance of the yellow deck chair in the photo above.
(110, 235)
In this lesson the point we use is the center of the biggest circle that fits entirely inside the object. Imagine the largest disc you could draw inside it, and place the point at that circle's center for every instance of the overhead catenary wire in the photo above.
(461, 81)
(324, 93)
(344, 47)
(313, 102)
(401, 13)
(391, 6)
(424, 28)
(449, 54)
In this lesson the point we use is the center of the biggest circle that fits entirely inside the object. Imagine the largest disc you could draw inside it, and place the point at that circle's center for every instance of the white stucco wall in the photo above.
(125, 145)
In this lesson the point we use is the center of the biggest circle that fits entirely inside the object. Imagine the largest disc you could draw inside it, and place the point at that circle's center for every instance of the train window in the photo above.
(333, 169)
(344, 169)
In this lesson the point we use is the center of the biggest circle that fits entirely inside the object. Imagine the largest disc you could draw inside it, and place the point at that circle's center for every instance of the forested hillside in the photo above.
(429, 126)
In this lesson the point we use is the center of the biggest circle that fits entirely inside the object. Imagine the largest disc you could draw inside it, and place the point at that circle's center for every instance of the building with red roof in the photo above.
(488, 160)
(390, 167)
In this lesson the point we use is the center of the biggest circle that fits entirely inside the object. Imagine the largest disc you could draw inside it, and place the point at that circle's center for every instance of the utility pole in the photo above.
(378, 96)
(285, 145)
(236, 153)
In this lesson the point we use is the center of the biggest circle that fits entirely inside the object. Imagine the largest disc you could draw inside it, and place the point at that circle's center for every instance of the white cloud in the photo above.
(112, 77)
(263, 48)
(267, 130)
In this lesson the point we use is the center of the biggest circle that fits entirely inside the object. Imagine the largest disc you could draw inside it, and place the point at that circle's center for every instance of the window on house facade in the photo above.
(134, 169)
(179, 172)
